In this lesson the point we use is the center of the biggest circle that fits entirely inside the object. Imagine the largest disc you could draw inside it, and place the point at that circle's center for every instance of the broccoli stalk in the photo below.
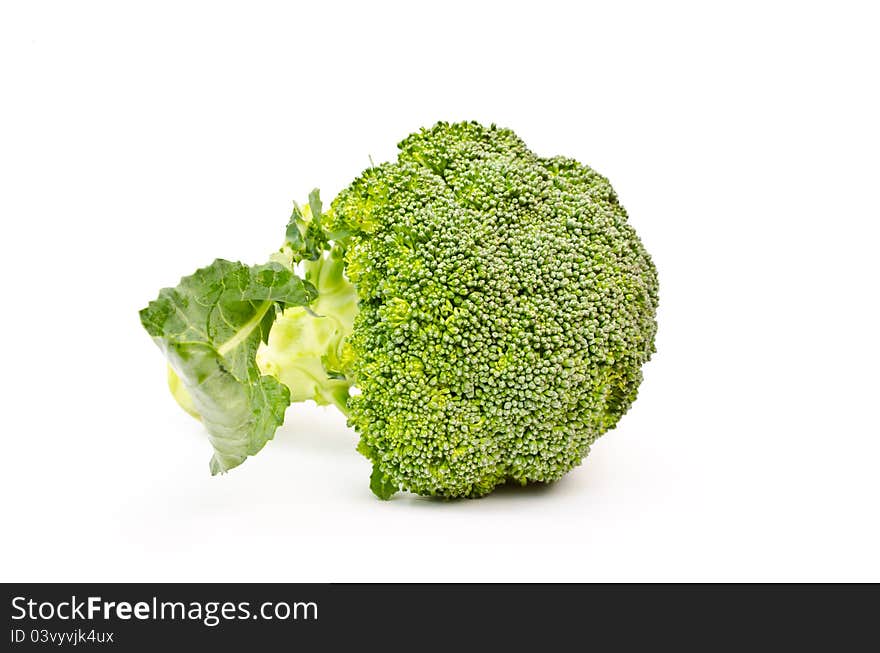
(306, 347)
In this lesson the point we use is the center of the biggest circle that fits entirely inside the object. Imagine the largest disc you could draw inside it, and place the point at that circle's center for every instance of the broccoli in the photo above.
(479, 313)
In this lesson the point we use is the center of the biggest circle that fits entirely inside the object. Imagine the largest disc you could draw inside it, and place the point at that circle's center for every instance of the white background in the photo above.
(140, 141)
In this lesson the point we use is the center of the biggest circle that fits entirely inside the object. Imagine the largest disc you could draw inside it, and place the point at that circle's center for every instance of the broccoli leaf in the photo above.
(305, 233)
(209, 328)
(382, 486)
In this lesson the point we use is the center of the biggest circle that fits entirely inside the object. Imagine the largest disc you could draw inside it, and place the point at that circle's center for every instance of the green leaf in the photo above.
(294, 233)
(209, 328)
(381, 485)
(305, 234)
(315, 205)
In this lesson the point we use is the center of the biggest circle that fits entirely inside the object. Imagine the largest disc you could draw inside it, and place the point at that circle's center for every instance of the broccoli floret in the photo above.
(506, 308)
(492, 308)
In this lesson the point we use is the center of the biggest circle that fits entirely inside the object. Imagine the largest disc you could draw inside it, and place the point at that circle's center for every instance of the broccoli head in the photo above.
(482, 313)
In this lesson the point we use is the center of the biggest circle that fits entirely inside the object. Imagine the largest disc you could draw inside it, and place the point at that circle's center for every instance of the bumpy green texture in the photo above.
(506, 309)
